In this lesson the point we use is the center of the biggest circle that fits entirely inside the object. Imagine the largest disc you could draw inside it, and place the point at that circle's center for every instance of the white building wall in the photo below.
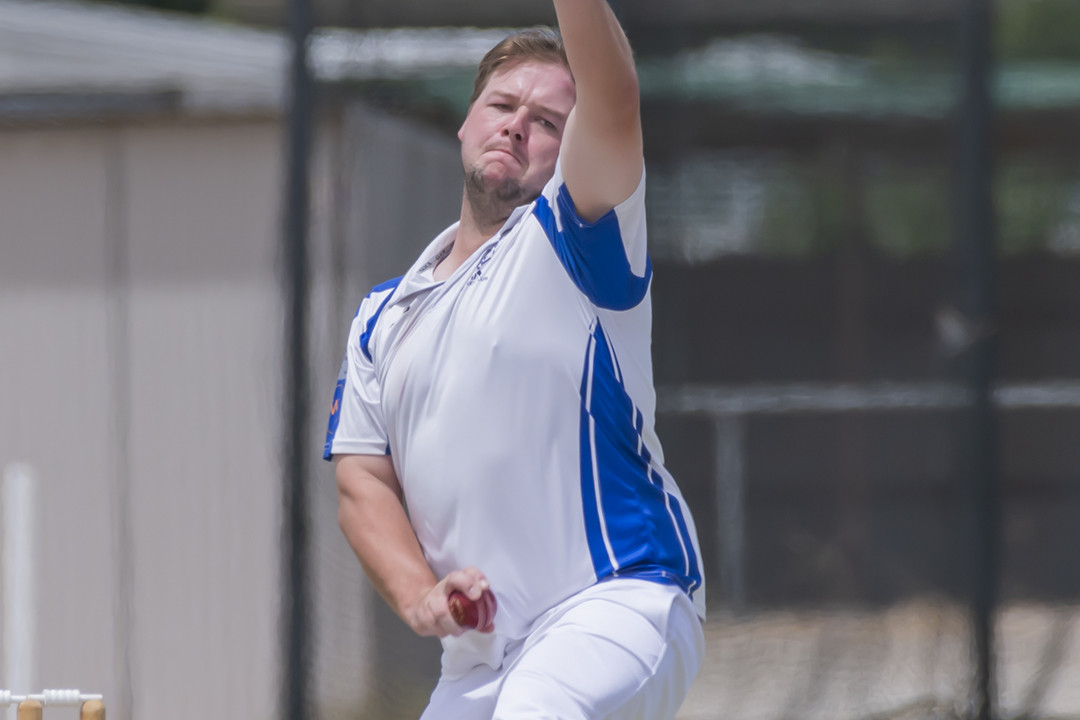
(205, 359)
(140, 333)
(55, 411)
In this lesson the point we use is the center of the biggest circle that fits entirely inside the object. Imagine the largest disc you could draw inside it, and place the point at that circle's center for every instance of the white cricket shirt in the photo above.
(516, 401)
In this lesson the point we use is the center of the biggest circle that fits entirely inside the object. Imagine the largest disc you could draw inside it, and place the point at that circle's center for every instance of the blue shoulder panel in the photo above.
(335, 411)
(339, 389)
(365, 337)
(593, 254)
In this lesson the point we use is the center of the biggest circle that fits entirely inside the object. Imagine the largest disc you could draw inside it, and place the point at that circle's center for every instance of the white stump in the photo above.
(19, 526)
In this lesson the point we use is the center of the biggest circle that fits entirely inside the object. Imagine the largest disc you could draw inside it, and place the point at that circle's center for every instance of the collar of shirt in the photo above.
(421, 276)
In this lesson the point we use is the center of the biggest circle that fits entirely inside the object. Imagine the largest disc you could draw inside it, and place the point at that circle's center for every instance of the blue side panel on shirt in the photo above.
(635, 528)
(593, 530)
(339, 389)
(684, 533)
(593, 255)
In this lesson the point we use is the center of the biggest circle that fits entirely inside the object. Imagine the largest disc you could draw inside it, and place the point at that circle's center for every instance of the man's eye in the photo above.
(547, 123)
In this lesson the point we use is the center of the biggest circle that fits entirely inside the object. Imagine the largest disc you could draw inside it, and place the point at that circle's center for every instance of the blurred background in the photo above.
(866, 342)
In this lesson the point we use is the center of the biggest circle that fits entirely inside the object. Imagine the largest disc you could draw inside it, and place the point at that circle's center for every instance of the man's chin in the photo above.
(496, 187)
(514, 194)
(497, 178)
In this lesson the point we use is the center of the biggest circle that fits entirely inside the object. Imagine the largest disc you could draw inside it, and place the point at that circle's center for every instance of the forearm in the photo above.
(375, 524)
(602, 143)
(601, 60)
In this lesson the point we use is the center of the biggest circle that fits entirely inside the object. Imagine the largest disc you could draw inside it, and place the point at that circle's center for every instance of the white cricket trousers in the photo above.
(623, 649)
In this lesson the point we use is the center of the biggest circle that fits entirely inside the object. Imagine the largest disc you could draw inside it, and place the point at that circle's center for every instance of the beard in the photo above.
(493, 201)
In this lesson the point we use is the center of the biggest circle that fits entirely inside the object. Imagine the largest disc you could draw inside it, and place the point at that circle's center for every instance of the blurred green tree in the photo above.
(1038, 29)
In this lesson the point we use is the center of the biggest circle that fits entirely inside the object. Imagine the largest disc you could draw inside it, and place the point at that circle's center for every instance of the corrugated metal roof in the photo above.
(75, 59)
(635, 13)
(55, 49)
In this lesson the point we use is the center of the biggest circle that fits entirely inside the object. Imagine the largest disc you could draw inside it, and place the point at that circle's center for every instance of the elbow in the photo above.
(631, 84)
(360, 492)
(350, 488)
(616, 110)
(630, 117)
(364, 485)
(627, 84)
(356, 502)
(346, 519)
(348, 503)
(625, 95)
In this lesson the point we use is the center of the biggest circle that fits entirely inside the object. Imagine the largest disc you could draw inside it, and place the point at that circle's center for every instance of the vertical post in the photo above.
(975, 241)
(730, 509)
(295, 604)
(119, 331)
(19, 498)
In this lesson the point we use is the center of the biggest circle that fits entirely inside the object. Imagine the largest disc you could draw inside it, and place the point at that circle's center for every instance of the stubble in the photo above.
(492, 202)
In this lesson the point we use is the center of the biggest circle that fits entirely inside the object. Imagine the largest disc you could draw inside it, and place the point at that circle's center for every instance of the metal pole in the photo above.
(975, 238)
(119, 330)
(731, 509)
(295, 599)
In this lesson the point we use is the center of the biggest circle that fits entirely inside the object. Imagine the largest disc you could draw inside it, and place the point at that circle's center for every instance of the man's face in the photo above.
(510, 138)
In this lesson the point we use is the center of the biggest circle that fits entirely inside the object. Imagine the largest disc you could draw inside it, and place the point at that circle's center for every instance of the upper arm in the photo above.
(353, 471)
(601, 161)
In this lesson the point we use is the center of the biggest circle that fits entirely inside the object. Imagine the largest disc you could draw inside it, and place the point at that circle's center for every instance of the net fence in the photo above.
(803, 212)
(809, 337)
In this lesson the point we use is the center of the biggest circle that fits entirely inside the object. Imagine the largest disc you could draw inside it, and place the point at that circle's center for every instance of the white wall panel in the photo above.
(140, 375)
(205, 363)
(55, 409)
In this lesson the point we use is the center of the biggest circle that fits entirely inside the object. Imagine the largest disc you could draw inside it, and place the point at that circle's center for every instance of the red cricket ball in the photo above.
(472, 613)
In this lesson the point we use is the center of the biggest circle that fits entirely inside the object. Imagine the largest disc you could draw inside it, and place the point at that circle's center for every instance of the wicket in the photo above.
(32, 707)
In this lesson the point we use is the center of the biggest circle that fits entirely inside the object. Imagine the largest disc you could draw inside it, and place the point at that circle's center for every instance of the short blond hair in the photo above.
(539, 44)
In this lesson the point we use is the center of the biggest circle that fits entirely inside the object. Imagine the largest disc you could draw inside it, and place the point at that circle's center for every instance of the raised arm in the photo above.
(602, 145)
(375, 524)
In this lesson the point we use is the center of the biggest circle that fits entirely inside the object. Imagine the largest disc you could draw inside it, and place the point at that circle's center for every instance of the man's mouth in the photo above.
(504, 151)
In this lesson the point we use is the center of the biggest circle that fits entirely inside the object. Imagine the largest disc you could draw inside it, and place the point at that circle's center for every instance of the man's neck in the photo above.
(472, 232)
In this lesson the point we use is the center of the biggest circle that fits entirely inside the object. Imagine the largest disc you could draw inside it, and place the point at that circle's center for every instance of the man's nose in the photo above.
(516, 126)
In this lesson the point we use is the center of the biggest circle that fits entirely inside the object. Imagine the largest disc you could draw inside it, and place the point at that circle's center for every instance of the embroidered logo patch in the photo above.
(478, 274)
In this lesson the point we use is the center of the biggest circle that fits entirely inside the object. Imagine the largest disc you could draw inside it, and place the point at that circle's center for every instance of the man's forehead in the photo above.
(555, 78)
